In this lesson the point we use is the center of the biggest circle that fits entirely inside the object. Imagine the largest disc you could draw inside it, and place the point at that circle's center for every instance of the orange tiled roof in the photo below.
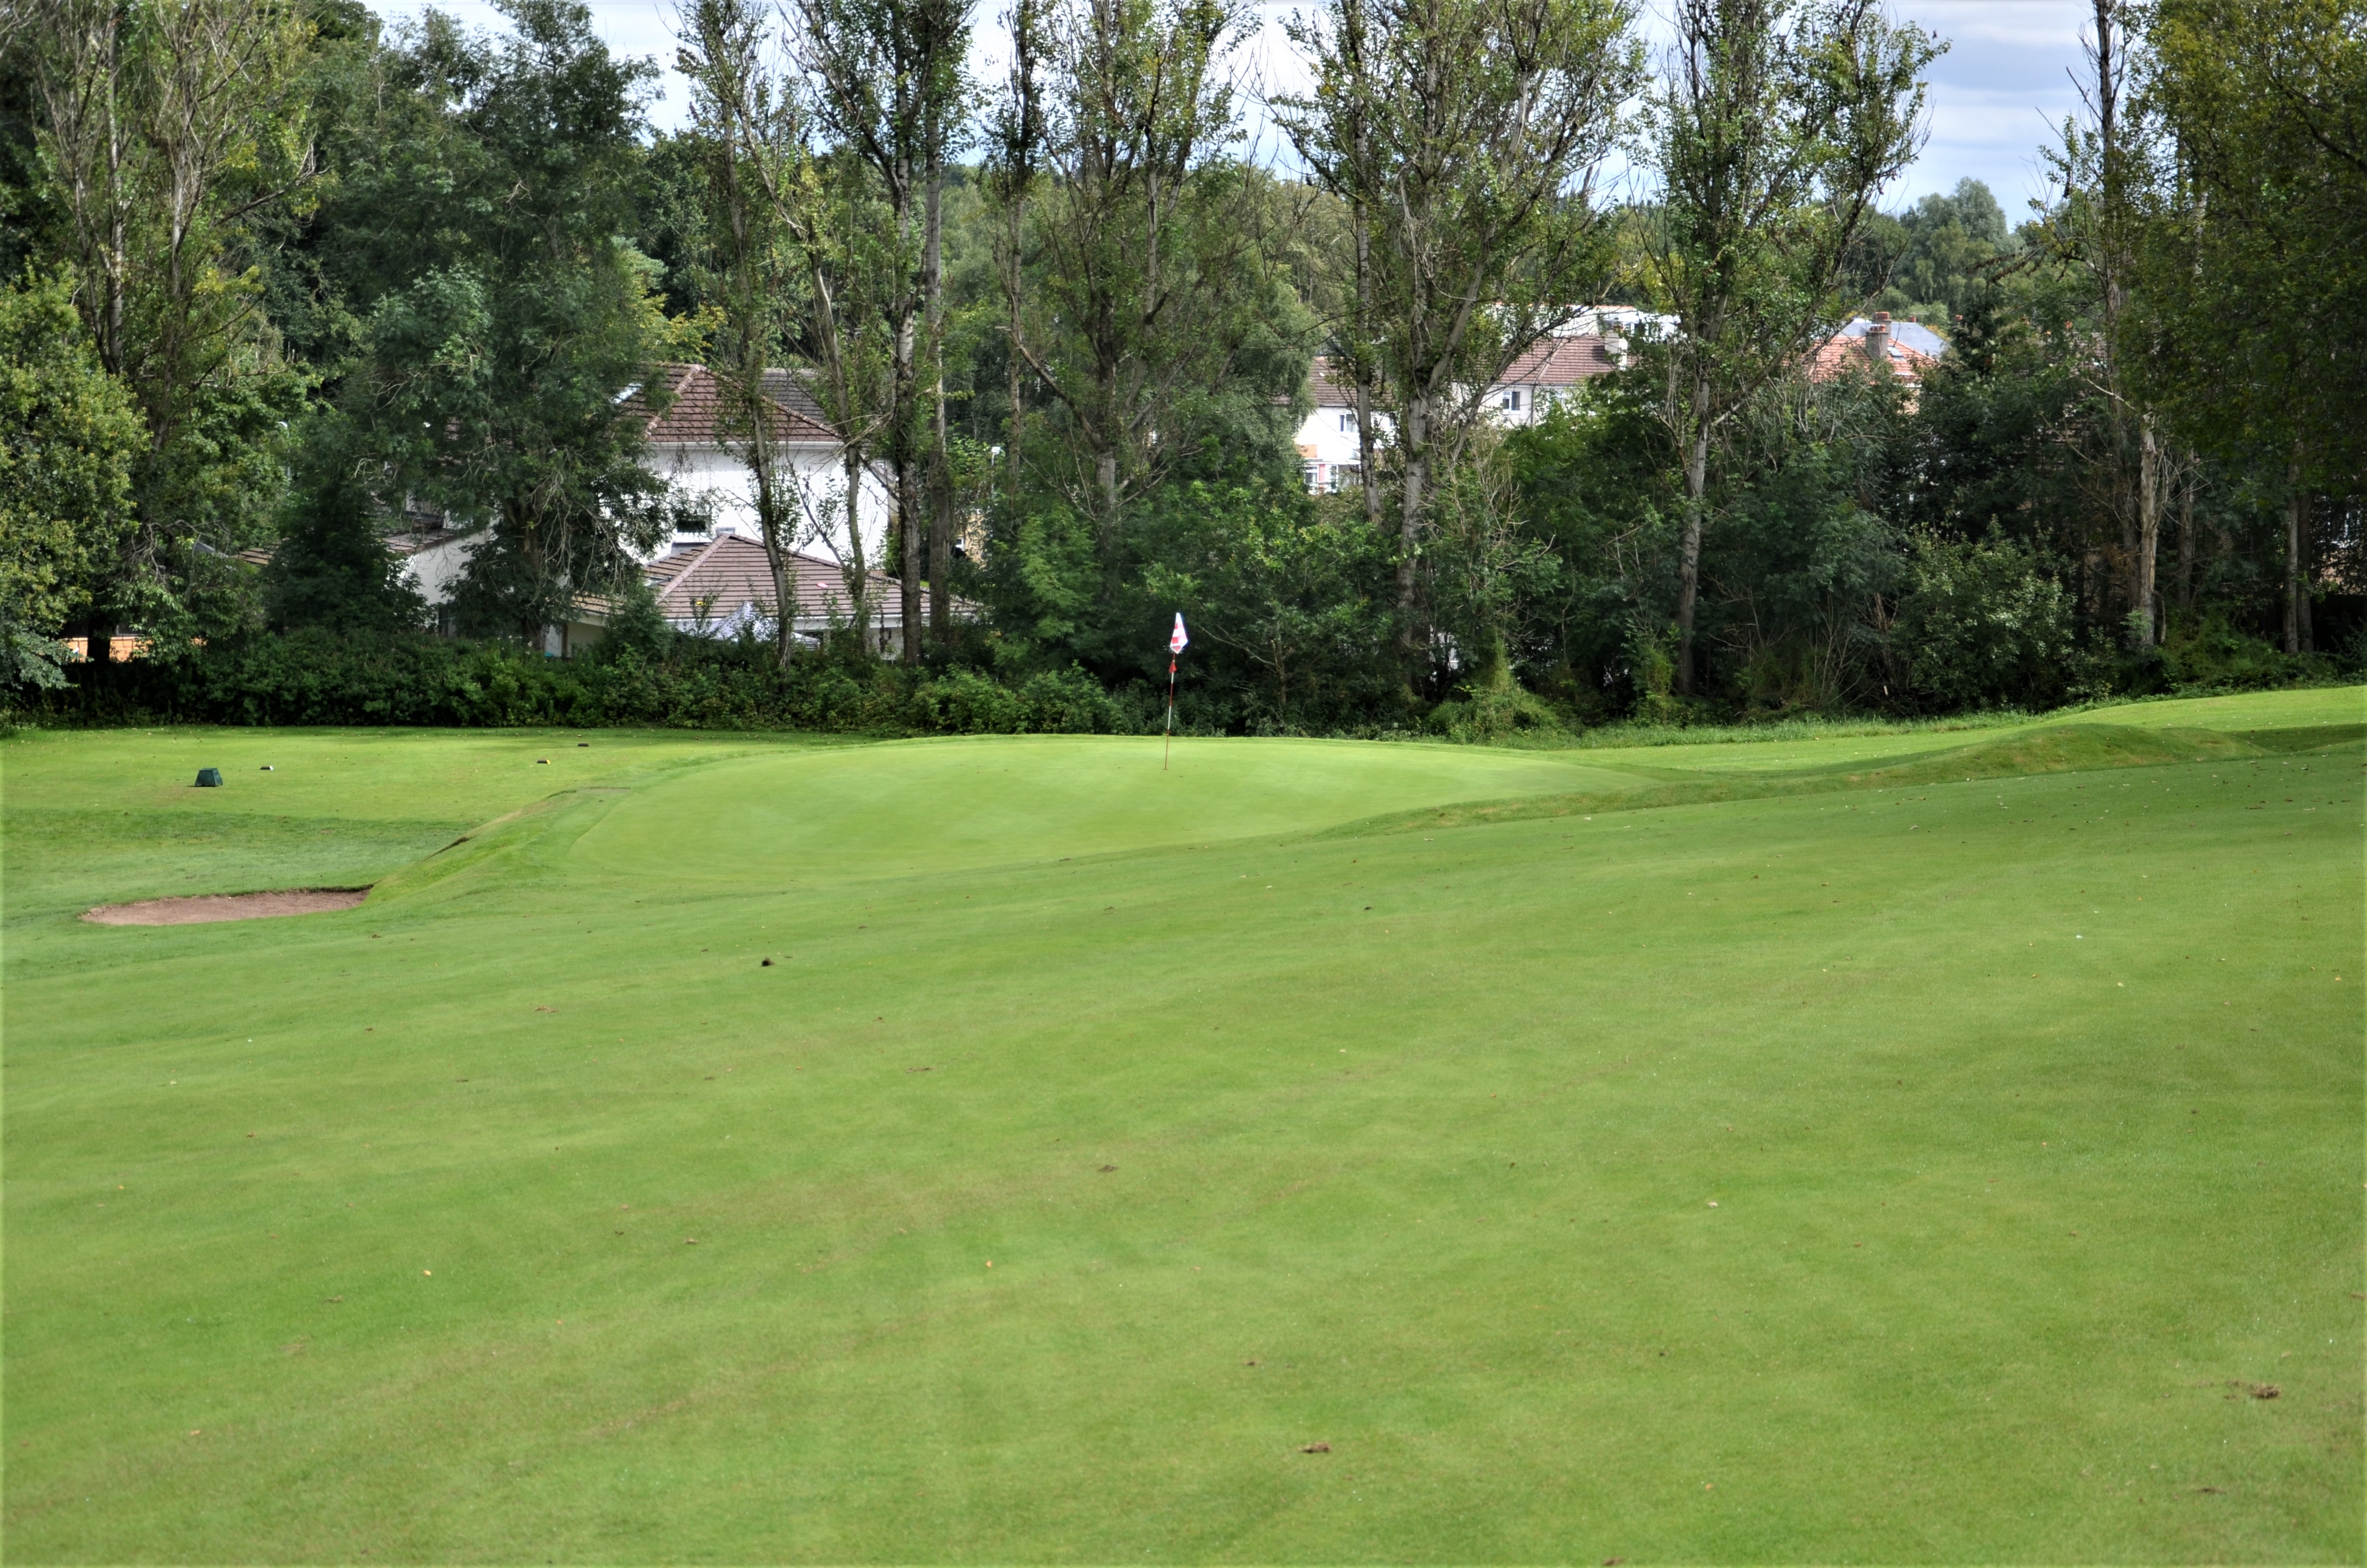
(1843, 351)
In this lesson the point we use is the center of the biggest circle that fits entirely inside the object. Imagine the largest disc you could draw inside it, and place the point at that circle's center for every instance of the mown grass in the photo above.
(1919, 1170)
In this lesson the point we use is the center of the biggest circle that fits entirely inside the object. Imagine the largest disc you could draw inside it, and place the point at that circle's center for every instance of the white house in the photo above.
(1595, 342)
(1329, 451)
(686, 447)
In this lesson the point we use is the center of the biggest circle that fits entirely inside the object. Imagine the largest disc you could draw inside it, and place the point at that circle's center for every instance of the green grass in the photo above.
(1287, 1106)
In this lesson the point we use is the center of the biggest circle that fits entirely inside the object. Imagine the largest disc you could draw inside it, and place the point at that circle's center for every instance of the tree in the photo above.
(503, 321)
(1463, 135)
(2107, 172)
(169, 133)
(1149, 285)
(1777, 124)
(69, 438)
(888, 81)
(2252, 269)
(1014, 161)
(751, 132)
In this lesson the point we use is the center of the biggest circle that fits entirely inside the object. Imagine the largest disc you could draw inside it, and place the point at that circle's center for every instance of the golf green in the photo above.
(1932, 1147)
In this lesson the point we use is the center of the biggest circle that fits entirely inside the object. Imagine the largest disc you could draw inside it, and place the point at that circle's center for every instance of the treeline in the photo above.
(280, 276)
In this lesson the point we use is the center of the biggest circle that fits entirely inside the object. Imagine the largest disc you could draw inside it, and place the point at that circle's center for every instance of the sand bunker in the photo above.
(206, 907)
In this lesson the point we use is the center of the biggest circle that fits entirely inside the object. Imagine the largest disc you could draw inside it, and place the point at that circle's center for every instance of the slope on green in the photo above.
(1922, 1170)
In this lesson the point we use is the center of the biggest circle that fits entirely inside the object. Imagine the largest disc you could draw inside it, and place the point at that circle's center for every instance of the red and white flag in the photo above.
(1175, 643)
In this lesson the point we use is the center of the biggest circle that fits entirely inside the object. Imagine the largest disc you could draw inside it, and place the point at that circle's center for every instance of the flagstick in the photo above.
(1168, 749)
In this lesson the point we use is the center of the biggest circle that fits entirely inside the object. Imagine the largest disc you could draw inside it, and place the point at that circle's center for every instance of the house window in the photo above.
(1513, 400)
(1347, 424)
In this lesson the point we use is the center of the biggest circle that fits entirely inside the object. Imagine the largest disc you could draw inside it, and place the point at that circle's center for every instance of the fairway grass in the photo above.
(1906, 1148)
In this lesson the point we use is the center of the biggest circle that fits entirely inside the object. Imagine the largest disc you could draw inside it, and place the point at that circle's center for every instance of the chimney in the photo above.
(1877, 343)
(1615, 341)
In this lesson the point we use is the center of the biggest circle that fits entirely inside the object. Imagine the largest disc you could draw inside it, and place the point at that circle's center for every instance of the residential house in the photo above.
(1595, 342)
(688, 448)
(1330, 451)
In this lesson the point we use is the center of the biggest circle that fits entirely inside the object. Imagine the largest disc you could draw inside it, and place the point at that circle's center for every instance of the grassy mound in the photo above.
(2029, 753)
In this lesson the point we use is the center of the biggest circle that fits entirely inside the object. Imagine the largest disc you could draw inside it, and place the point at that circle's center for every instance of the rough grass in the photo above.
(1920, 1170)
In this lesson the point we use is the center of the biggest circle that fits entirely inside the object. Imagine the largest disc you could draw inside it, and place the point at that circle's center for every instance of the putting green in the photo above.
(934, 805)
(1876, 1165)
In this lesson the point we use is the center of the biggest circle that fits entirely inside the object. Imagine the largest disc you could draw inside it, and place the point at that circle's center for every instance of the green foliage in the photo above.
(69, 440)
(333, 567)
(475, 236)
(1986, 624)
(1500, 713)
(1283, 594)
(2205, 653)
(1932, 261)
(640, 675)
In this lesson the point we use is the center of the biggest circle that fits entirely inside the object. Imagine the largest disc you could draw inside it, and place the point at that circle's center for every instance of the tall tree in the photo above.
(1014, 160)
(888, 78)
(1774, 127)
(2253, 274)
(2106, 175)
(1463, 135)
(69, 438)
(168, 132)
(476, 237)
(1149, 270)
(746, 117)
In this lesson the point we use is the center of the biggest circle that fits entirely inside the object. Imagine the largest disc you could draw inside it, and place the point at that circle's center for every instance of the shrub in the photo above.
(1070, 702)
(1984, 624)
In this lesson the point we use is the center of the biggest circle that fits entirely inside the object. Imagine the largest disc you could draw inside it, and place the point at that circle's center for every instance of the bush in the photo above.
(1498, 713)
(1984, 624)
(2208, 654)
(964, 702)
(645, 676)
(1070, 702)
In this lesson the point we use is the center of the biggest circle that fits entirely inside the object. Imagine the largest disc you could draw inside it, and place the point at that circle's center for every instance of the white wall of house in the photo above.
(1327, 449)
(722, 485)
(433, 570)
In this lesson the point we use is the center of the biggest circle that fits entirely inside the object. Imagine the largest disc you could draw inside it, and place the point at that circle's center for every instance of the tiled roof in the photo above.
(1913, 334)
(695, 416)
(729, 577)
(1560, 362)
(1553, 362)
(1844, 350)
(1329, 393)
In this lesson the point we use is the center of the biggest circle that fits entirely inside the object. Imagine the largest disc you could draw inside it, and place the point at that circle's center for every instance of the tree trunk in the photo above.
(1367, 470)
(2186, 543)
(857, 566)
(1012, 285)
(2296, 511)
(777, 548)
(1413, 479)
(907, 536)
(1688, 561)
(2151, 481)
(941, 477)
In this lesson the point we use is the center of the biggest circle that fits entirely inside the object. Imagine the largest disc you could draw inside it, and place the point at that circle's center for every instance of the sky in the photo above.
(2000, 92)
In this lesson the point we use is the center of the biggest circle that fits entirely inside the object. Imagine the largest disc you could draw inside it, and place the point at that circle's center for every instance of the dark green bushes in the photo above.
(315, 676)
